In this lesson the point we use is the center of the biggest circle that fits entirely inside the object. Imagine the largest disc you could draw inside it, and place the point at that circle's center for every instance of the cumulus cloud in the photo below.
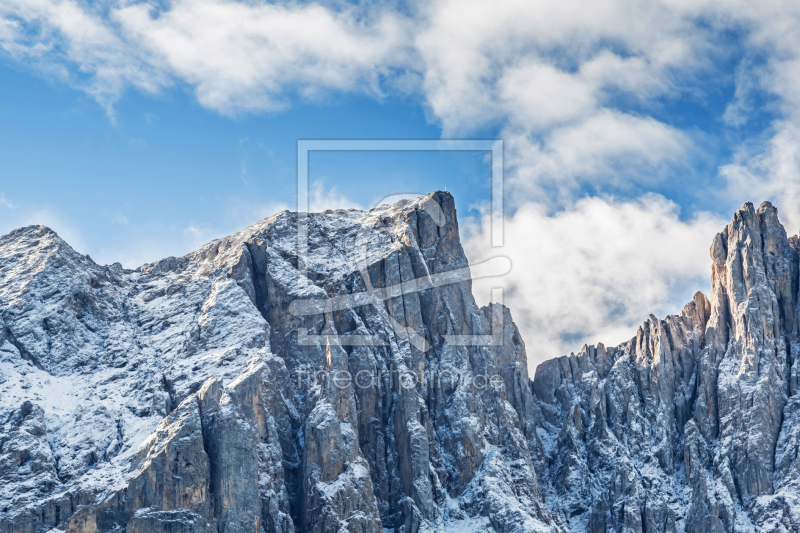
(540, 63)
(573, 87)
(595, 271)
(236, 56)
(769, 170)
(606, 148)
(568, 85)
(245, 56)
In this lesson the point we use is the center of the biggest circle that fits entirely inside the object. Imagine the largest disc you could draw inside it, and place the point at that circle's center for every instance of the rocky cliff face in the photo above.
(186, 396)
(198, 394)
(691, 425)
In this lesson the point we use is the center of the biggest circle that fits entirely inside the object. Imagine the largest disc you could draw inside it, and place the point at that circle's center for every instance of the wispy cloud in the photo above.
(77, 44)
(769, 171)
(738, 110)
(119, 218)
(199, 234)
(322, 199)
(5, 202)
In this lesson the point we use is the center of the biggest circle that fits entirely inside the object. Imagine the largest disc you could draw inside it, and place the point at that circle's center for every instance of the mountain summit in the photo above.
(246, 388)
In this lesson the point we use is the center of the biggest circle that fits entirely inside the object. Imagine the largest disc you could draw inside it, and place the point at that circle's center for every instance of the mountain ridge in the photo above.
(177, 397)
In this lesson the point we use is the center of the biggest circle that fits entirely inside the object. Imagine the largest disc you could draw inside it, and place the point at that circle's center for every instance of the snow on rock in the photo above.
(190, 395)
(182, 397)
(692, 425)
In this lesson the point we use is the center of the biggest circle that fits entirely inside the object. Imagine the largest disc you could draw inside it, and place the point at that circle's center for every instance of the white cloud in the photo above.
(198, 234)
(572, 86)
(544, 95)
(523, 63)
(69, 41)
(119, 218)
(738, 110)
(767, 167)
(568, 83)
(769, 171)
(236, 56)
(594, 272)
(245, 56)
(607, 148)
(533, 61)
(321, 199)
(5, 202)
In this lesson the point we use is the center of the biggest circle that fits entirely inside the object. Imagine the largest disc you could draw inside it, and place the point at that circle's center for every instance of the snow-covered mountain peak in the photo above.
(192, 395)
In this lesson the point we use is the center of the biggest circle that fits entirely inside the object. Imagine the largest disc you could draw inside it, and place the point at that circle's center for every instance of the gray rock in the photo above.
(691, 425)
(181, 396)
(187, 396)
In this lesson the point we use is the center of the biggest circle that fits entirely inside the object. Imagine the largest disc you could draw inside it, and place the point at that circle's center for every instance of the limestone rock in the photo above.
(692, 424)
(196, 394)
(185, 396)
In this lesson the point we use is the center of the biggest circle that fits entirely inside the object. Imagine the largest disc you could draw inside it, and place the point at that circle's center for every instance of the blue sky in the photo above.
(167, 175)
(632, 130)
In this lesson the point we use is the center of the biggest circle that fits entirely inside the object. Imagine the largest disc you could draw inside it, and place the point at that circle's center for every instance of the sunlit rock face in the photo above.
(247, 387)
(186, 396)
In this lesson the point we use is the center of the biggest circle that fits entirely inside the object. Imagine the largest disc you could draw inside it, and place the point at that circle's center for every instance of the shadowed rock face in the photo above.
(183, 397)
(186, 396)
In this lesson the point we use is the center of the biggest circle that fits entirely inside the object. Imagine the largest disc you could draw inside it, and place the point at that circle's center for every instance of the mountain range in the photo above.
(353, 385)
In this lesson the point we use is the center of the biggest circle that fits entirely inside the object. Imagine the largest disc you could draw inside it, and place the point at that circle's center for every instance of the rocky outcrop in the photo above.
(613, 419)
(248, 388)
(26, 458)
(203, 467)
(747, 367)
(691, 425)
(189, 395)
